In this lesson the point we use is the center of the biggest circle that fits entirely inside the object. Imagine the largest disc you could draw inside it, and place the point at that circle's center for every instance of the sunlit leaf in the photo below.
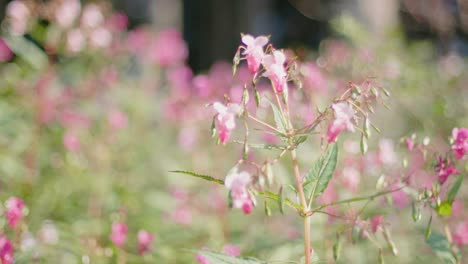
(441, 247)
(201, 176)
(321, 172)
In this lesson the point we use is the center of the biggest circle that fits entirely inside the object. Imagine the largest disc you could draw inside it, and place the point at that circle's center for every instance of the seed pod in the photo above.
(257, 97)
(364, 146)
(416, 212)
(366, 127)
(267, 209)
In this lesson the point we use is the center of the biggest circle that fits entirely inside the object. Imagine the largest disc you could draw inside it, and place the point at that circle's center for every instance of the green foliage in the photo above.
(219, 258)
(441, 247)
(318, 177)
(201, 176)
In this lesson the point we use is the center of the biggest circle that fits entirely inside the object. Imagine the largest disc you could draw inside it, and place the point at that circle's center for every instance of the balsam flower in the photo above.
(6, 251)
(14, 211)
(225, 120)
(237, 183)
(67, 12)
(145, 239)
(254, 51)
(460, 236)
(119, 234)
(275, 70)
(344, 115)
(460, 144)
(444, 169)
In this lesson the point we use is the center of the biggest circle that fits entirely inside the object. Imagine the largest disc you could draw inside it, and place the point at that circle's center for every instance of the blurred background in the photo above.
(99, 100)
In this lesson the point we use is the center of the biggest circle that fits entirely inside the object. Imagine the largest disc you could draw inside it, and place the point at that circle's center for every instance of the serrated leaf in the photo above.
(279, 119)
(454, 190)
(201, 176)
(219, 258)
(441, 247)
(321, 172)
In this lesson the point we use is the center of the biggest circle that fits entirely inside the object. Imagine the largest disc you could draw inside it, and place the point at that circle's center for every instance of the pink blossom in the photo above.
(254, 51)
(14, 211)
(376, 221)
(201, 259)
(460, 144)
(119, 234)
(460, 236)
(202, 85)
(351, 178)
(344, 114)
(169, 48)
(117, 119)
(237, 183)
(275, 71)
(314, 78)
(444, 169)
(71, 141)
(225, 120)
(18, 13)
(92, 16)
(145, 239)
(409, 143)
(231, 250)
(100, 37)
(67, 12)
(6, 251)
(387, 153)
(182, 215)
(118, 22)
(75, 41)
(5, 52)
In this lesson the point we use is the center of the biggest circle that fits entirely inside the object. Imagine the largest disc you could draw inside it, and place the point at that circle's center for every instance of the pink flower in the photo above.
(145, 239)
(5, 52)
(237, 183)
(344, 114)
(460, 236)
(6, 251)
(118, 22)
(181, 215)
(202, 259)
(100, 37)
(376, 221)
(387, 153)
(18, 14)
(75, 41)
(67, 12)
(460, 144)
(119, 234)
(351, 178)
(92, 16)
(313, 77)
(71, 141)
(117, 119)
(231, 250)
(225, 120)
(169, 48)
(14, 211)
(409, 143)
(444, 169)
(254, 51)
(275, 71)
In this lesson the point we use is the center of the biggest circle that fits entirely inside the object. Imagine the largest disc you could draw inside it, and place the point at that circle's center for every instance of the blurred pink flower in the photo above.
(351, 178)
(400, 198)
(409, 144)
(188, 137)
(14, 211)
(5, 52)
(92, 16)
(75, 41)
(67, 12)
(314, 79)
(117, 119)
(237, 183)
(137, 40)
(6, 251)
(231, 250)
(444, 169)
(376, 221)
(181, 215)
(202, 85)
(180, 79)
(387, 153)
(119, 234)
(169, 48)
(460, 144)
(254, 51)
(458, 208)
(225, 120)
(460, 236)
(201, 259)
(100, 37)
(118, 22)
(71, 141)
(344, 114)
(145, 239)
(275, 71)
(18, 14)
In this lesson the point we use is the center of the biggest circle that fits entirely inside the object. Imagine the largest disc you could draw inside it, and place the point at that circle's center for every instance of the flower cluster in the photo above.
(237, 183)
(118, 236)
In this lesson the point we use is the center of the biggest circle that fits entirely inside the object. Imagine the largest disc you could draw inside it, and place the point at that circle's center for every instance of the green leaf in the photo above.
(444, 209)
(321, 172)
(27, 51)
(428, 230)
(280, 200)
(219, 258)
(454, 190)
(201, 176)
(441, 247)
(279, 119)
